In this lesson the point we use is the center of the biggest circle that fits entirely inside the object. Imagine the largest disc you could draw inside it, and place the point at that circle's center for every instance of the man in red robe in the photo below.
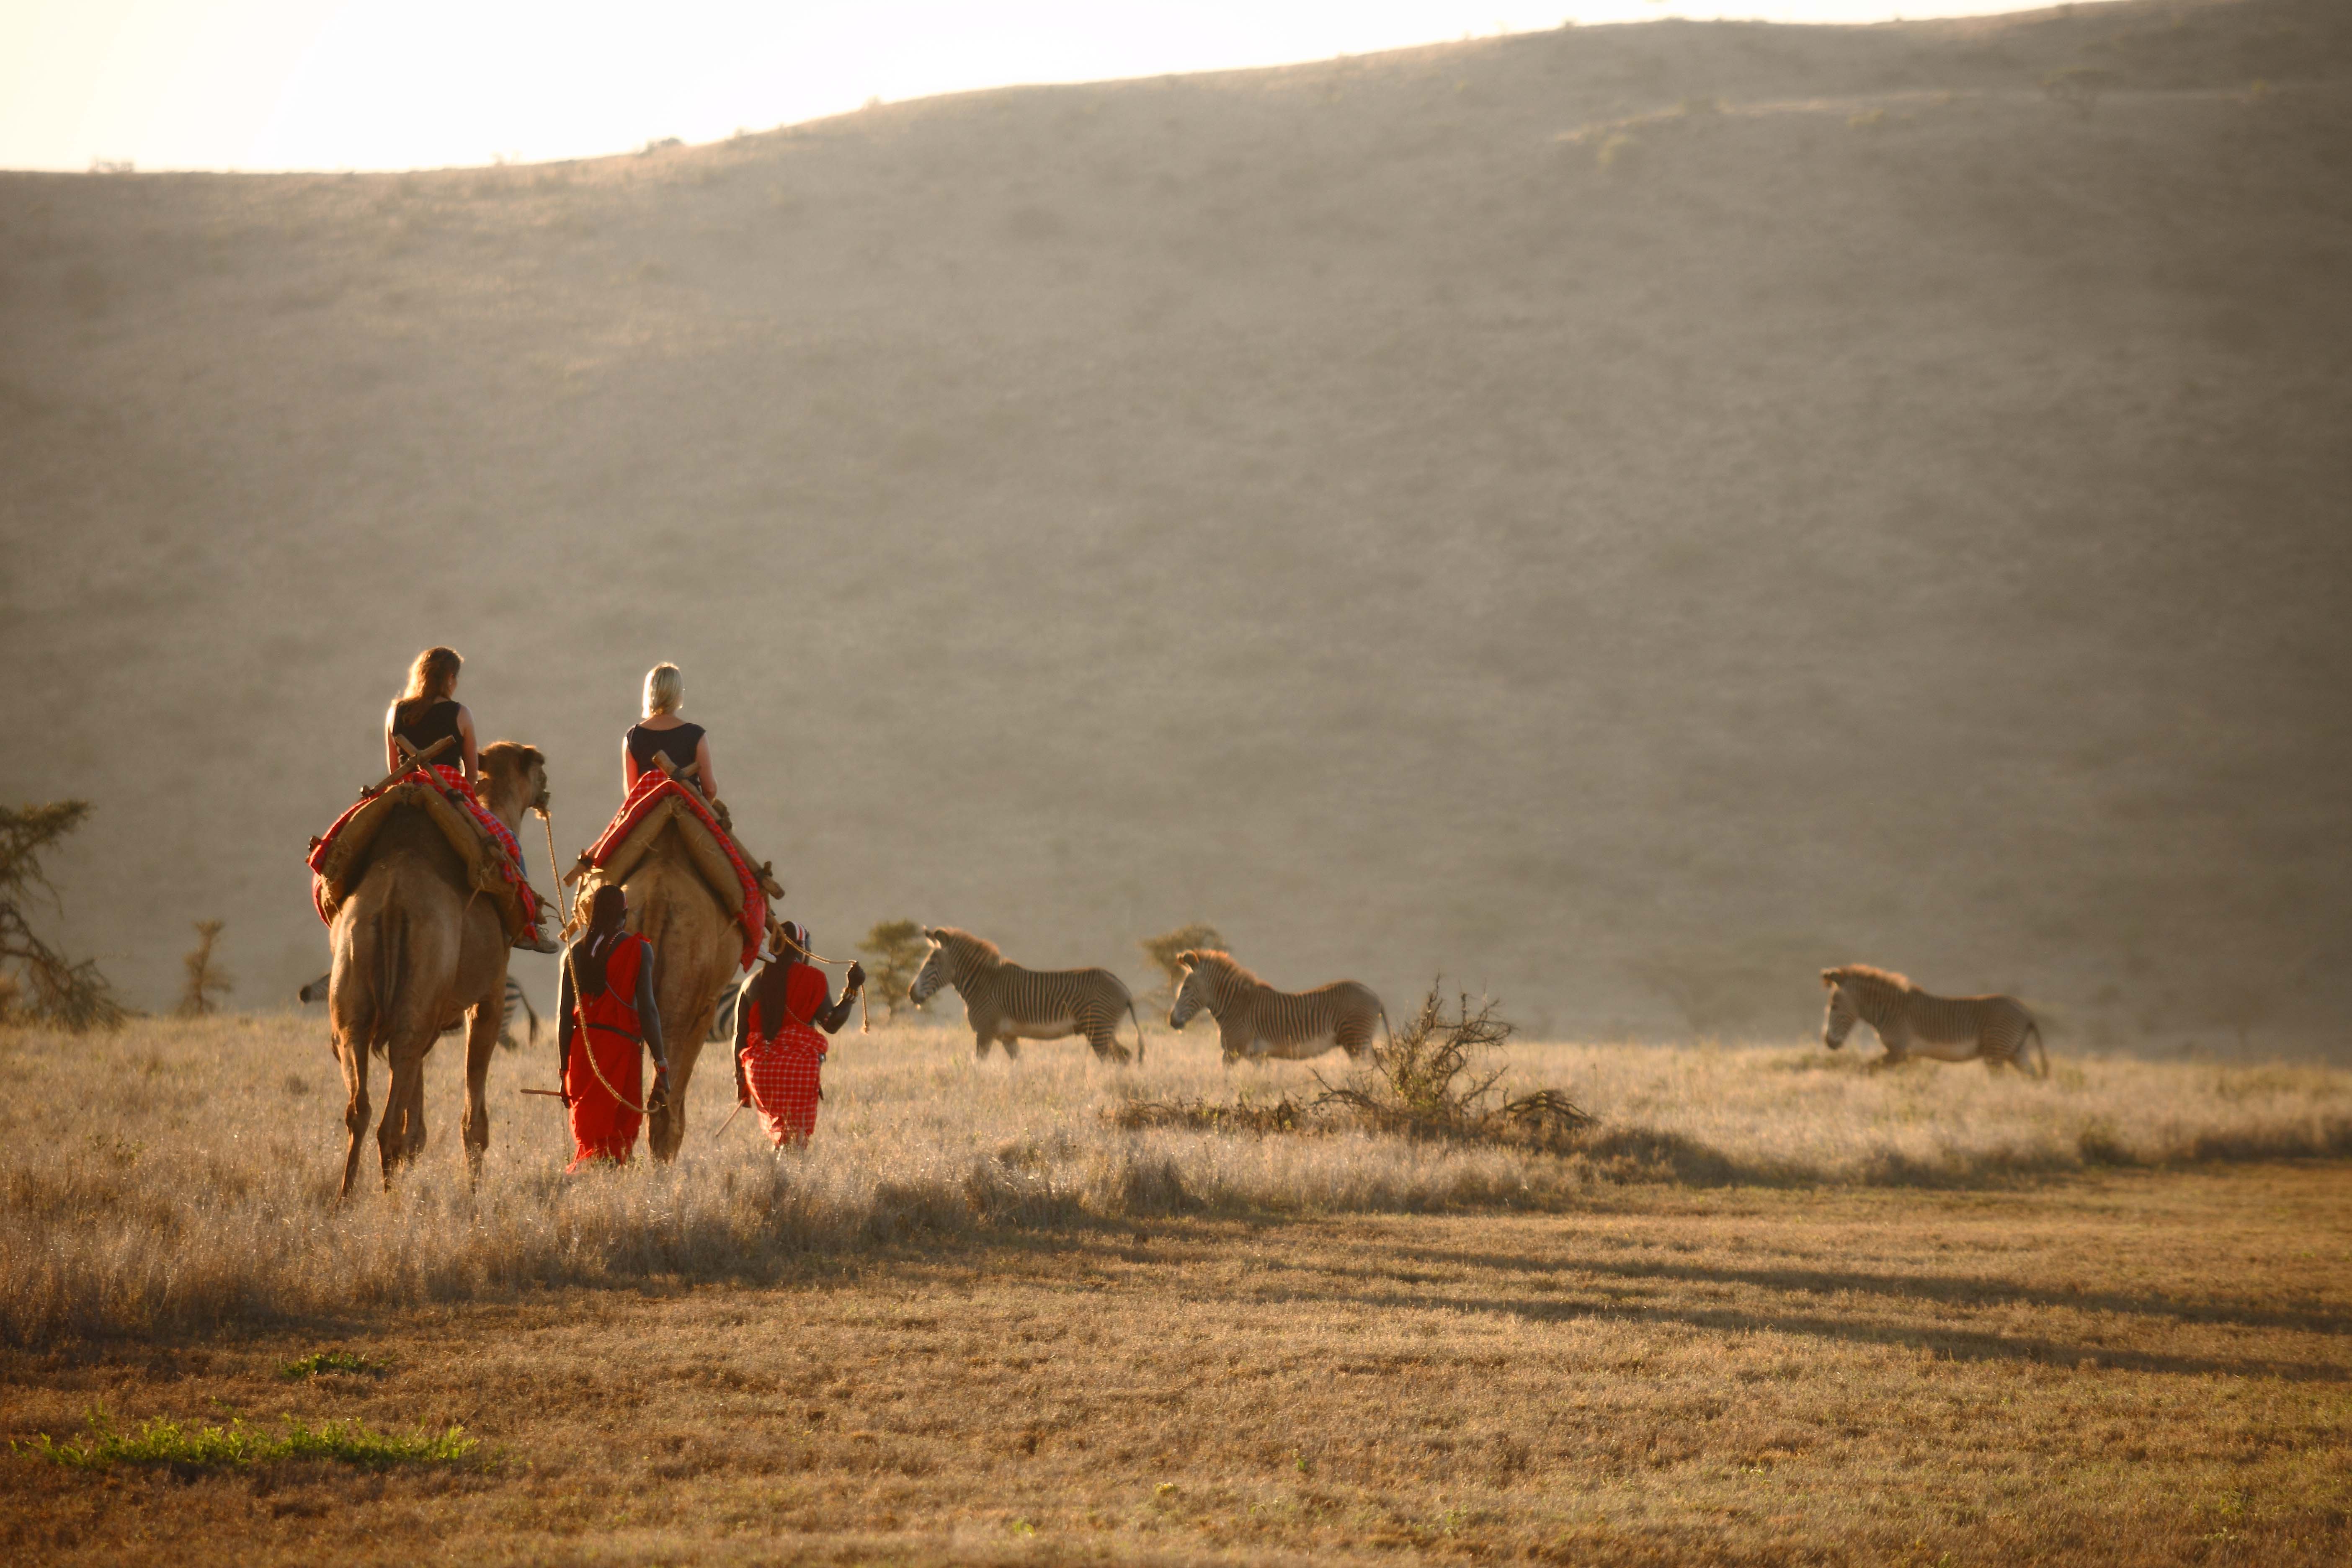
(779, 1055)
(609, 1020)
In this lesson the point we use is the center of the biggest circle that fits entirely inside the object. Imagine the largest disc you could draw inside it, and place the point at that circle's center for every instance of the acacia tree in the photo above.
(1162, 951)
(205, 977)
(895, 951)
(40, 983)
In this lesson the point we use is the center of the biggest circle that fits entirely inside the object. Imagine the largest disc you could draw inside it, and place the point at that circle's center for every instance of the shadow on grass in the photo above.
(1956, 1344)
(1942, 1289)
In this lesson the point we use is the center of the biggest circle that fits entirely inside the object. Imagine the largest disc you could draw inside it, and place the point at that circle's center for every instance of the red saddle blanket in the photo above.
(653, 793)
(501, 856)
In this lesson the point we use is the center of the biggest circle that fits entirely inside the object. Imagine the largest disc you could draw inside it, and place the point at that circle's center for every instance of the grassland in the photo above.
(1777, 1310)
(1879, 511)
(178, 1176)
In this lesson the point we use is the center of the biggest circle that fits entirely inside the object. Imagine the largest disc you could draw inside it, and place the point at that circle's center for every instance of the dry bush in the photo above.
(1162, 951)
(1203, 1115)
(206, 981)
(1434, 1079)
(47, 987)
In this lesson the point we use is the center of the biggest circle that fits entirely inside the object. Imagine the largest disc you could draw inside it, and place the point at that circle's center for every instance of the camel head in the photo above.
(514, 780)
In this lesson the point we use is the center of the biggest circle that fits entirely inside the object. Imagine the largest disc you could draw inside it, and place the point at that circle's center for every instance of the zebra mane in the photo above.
(1224, 964)
(971, 946)
(1869, 979)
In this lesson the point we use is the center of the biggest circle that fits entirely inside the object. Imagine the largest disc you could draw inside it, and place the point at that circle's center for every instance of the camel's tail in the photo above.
(391, 950)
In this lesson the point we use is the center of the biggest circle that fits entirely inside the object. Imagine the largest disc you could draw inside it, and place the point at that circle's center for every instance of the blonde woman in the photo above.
(661, 732)
(428, 712)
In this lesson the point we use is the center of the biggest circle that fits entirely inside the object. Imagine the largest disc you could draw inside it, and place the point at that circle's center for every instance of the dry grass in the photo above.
(179, 1174)
(2119, 1367)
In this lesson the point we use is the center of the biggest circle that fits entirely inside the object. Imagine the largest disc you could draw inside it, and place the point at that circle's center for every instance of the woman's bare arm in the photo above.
(628, 767)
(391, 747)
(466, 747)
(702, 766)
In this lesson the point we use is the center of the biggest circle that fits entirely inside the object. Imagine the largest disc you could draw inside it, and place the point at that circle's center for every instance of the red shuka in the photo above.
(601, 1127)
(783, 1064)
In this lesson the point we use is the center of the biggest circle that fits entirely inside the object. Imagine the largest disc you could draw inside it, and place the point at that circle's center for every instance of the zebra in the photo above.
(1257, 1020)
(722, 1017)
(1911, 1021)
(316, 991)
(1006, 1004)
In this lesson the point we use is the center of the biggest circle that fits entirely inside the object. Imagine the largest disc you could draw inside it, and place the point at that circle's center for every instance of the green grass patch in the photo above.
(162, 1441)
(311, 1365)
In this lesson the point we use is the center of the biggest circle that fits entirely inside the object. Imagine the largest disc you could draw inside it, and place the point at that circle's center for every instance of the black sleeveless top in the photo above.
(677, 746)
(426, 728)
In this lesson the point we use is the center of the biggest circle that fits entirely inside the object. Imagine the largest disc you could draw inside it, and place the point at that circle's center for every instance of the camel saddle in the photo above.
(339, 857)
(741, 885)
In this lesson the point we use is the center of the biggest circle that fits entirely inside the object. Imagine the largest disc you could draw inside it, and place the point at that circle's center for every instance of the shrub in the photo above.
(894, 950)
(206, 981)
(1432, 1080)
(1162, 951)
(46, 985)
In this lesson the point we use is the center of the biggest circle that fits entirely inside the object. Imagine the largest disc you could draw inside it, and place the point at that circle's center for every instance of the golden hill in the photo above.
(1623, 516)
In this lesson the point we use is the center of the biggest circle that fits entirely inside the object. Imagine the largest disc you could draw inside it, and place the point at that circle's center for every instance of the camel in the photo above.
(697, 949)
(414, 946)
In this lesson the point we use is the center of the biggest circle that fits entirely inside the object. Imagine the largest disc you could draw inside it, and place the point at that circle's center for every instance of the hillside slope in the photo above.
(1623, 516)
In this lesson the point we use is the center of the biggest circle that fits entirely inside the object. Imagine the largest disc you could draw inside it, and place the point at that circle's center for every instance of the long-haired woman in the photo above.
(424, 715)
(428, 712)
(661, 732)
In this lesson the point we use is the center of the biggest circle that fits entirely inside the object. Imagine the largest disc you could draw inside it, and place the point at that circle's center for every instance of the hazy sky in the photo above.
(380, 84)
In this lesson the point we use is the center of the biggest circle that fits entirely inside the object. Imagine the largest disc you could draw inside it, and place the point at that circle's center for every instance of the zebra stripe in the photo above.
(1257, 1020)
(1911, 1021)
(1006, 1004)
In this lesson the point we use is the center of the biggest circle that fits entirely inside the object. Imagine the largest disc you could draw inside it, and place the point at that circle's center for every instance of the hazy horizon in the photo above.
(321, 85)
(1624, 517)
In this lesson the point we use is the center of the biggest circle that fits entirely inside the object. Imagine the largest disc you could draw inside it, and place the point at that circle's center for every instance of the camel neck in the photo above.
(505, 802)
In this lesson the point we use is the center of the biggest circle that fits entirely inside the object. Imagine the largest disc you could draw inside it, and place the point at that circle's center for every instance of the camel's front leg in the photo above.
(481, 1040)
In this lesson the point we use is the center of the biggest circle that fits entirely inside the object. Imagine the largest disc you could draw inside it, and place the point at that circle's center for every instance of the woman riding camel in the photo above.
(426, 714)
(661, 732)
(779, 1055)
(609, 1021)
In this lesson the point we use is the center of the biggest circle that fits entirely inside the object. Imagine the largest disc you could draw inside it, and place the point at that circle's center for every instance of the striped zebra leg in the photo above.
(1102, 1029)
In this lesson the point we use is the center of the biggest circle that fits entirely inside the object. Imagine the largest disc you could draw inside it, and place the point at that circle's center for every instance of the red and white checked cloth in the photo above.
(784, 1072)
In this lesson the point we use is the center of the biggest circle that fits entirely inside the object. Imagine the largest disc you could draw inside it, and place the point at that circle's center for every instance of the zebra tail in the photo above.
(1138, 1031)
(1386, 1033)
(2041, 1055)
